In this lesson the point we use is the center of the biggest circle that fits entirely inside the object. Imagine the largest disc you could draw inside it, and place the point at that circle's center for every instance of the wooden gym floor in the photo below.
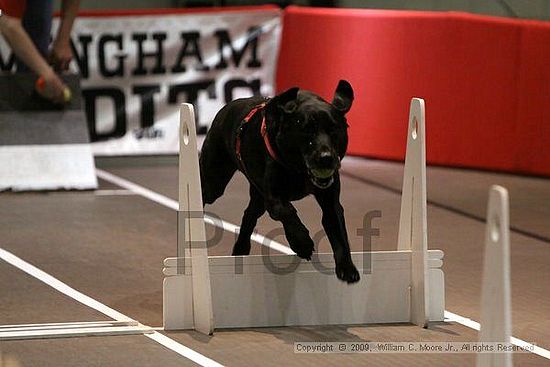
(110, 244)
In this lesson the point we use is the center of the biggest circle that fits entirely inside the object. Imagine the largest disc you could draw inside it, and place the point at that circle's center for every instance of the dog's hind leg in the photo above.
(255, 209)
(216, 171)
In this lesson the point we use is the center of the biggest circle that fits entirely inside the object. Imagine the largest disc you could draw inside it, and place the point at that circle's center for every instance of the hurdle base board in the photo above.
(72, 330)
(247, 293)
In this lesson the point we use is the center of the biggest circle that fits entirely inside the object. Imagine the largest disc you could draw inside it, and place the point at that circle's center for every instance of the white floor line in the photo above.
(60, 286)
(113, 192)
(173, 204)
(140, 190)
(183, 350)
(104, 309)
(163, 200)
(449, 316)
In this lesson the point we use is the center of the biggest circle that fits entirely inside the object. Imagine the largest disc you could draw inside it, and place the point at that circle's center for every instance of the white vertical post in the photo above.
(191, 231)
(496, 320)
(412, 220)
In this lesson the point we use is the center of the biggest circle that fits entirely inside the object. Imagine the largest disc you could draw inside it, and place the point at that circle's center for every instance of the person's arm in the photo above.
(22, 46)
(61, 53)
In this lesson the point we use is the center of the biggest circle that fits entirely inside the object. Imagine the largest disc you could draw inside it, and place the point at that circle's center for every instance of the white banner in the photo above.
(136, 70)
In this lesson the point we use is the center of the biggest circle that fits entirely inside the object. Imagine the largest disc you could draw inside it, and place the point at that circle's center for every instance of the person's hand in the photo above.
(52, 88)
(60, 55)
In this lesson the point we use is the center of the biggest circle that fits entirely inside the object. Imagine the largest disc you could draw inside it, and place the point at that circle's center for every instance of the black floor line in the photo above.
(466, 214)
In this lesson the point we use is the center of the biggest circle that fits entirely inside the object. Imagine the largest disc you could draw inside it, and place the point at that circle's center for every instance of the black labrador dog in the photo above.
(288, 147)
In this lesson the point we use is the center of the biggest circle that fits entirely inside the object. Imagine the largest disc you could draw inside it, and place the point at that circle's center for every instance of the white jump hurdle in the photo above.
(191, 238)
(496, 320)
(406, 285)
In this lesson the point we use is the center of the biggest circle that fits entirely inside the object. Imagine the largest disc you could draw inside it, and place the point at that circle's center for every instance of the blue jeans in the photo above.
(37, 21)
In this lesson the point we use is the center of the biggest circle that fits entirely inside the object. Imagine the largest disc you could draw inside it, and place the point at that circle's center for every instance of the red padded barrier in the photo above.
(486, 81)
(533, 115)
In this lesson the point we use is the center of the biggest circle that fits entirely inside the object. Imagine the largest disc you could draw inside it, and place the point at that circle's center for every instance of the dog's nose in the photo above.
(326, 159)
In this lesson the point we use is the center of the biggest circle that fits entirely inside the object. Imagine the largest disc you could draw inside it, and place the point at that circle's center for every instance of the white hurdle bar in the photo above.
(496, 319)
(406, 285)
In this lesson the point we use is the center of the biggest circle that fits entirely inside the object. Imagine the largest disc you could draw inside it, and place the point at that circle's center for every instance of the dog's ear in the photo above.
(286, 101)
(278, 106)
(343, 96)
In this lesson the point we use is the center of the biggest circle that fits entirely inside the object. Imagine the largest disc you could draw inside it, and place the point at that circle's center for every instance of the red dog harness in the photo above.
(263, 131)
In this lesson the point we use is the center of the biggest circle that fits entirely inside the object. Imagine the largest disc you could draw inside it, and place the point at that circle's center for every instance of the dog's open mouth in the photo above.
(321, 177)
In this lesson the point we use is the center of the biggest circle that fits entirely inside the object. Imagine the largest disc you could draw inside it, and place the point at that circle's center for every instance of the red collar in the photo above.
(263, 131)
(267, 144)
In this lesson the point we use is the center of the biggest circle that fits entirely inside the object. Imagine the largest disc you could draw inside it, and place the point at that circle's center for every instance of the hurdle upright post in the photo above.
(191, 244)
(412, 220)
(496, 319)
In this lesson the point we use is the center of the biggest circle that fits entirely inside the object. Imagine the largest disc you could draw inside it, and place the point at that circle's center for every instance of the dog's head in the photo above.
(310, 133)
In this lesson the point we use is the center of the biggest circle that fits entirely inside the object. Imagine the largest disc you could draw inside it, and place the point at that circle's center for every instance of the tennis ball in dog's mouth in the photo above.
(322, 172)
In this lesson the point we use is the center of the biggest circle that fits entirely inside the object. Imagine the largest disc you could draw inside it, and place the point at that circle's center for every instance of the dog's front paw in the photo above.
(347, 272)
(241, 248)
(302, 244)
(305, 253)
